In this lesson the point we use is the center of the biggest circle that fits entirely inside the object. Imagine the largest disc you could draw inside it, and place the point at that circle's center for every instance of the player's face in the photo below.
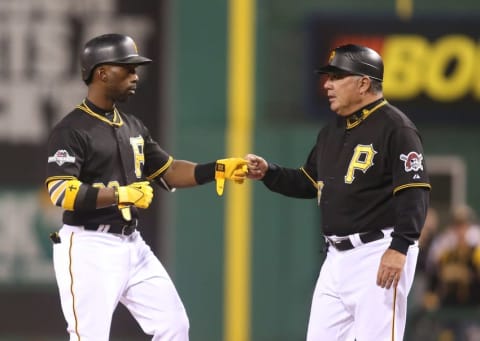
(344, 93)
(121, 81)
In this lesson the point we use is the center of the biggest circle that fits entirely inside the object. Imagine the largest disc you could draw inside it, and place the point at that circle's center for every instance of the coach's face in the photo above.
(344, 92)
(120, 81)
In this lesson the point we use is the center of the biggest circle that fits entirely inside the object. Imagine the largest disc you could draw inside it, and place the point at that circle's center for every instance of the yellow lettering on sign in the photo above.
(404, 57)
(451, 68)
(445, 70)
(476, 77)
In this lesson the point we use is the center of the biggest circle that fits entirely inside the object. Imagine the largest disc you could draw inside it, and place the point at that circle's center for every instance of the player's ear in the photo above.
(101, 73)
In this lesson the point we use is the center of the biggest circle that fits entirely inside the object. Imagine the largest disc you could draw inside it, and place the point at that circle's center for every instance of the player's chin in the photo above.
(124, 97)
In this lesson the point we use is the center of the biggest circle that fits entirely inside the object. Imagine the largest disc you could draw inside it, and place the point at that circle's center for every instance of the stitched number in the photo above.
(111, 184)
(362, 159)
(137, 146)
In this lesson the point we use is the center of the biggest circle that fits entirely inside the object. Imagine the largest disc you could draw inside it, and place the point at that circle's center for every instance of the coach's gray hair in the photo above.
(375, 86)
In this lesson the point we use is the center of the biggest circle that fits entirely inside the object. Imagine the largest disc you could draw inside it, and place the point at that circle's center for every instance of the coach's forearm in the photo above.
(411, 206)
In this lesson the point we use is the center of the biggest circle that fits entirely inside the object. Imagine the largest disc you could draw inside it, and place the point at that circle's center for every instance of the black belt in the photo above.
(346, 244)
(123, 229)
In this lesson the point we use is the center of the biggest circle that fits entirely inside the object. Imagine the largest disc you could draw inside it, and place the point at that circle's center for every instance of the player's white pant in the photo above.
(96, 270)
(348, 305)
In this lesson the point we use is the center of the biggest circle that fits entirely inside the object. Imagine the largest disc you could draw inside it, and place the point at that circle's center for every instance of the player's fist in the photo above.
(234, 168)
(139, 194)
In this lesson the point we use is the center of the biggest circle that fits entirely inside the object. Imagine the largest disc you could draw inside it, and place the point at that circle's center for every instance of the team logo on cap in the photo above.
(332, 55)
(60, 157)
(413, 161)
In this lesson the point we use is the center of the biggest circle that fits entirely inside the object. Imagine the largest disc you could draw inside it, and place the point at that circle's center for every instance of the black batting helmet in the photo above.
(109, 48)
(355, 59)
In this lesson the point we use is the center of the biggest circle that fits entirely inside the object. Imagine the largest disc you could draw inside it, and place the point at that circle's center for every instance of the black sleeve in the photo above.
(290, 182)
(411, 205)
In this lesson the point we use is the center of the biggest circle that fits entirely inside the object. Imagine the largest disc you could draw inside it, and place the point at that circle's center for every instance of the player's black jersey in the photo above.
(104, 153)
(356, 167)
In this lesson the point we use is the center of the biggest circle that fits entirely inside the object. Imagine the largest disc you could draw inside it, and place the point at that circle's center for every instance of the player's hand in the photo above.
(234, 168)
(257, 167)
(139, 194)
(390, 269)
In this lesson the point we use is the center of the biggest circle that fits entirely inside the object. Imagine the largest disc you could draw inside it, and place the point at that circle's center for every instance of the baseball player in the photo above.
(101, 163)
(368, 174)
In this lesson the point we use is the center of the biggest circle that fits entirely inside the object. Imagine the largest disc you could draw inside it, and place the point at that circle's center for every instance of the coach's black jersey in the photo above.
(102, 151)
(355, 169)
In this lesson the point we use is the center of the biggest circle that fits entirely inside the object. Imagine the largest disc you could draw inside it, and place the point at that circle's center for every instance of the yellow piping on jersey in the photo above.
(314, 183)
(117, 119)
(355, 121)
(161, 170)
(415, 184)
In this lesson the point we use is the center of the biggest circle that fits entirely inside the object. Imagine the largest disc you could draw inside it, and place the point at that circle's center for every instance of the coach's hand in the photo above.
(234, 168)
(390, 269)
(257, 166)
(139, 194)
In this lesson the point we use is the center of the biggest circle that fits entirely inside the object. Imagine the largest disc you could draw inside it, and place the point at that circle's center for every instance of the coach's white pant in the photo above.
(348, 305)
(95, 271)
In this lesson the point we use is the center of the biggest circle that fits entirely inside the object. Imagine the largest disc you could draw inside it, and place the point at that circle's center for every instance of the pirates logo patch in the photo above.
(412, 161)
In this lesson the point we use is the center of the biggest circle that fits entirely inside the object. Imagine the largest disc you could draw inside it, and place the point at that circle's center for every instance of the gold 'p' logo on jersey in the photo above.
(137, 146)
(362, 159)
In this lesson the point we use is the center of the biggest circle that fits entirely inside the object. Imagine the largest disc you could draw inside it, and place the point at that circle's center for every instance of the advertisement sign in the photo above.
(432, 65)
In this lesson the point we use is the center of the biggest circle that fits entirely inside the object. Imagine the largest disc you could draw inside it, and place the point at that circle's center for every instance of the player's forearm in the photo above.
(106, 197)
(181, 174)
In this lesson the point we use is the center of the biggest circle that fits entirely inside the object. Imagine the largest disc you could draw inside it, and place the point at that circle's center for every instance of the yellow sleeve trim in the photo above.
(161, 170)
(411, 185)
(52, 178)
(314, 183)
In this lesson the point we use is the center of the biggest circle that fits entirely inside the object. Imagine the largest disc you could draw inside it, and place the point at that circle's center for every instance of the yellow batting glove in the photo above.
(139, 194)
(240, 174)
(234, 168)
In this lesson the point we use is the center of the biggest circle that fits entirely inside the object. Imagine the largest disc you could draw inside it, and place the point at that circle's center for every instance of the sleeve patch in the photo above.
(412, 161)
(60, 157)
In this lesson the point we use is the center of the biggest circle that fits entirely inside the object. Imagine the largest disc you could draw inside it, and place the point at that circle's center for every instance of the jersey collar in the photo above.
(100, 114)
(356, 118)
